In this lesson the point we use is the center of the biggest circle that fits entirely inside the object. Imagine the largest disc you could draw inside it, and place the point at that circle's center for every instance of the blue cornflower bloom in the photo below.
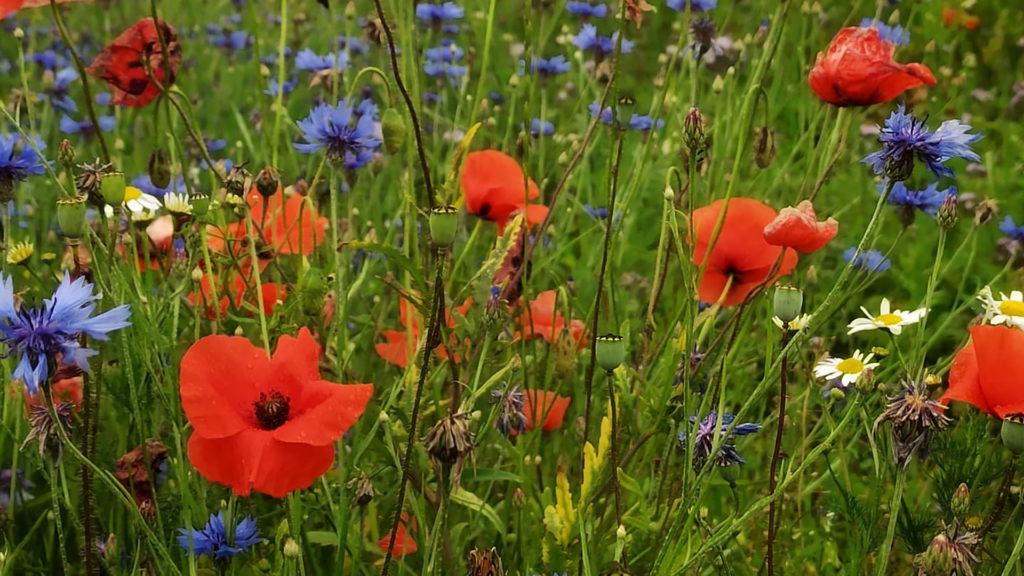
(103, 98)
(289, 85)
(903, 137)
(1010, 228)
(511, 408)
(145, 184)
(547, 66)
(442, 61)
(350, 138)
(601, 213)
(231, 41)
(928, 200)
(38, 334)
(436, 13)
(270, 59)
(695, 5)
(49, 60)
(873, 261)
(59, 93)
(215, 145)
(448, 51)
(85, 127)
(586, 9)
(213, 539)
(353, 44)
(705, 435)
(636, 121)
(895, 34)
(540, 127)
(313, 62)
(17, 165)
(589, 40)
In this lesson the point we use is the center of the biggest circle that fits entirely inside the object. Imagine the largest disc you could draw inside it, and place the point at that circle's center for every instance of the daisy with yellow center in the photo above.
(797, 324)
(848, 369)
(141, 207)
(1007, 310)
(20, 253)
(886, 319)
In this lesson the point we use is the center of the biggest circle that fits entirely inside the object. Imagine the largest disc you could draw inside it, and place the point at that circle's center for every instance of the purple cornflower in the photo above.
(705, 436)
(437, 13)
(511, 410)
(873, 261)
(213, 539)
(38, 334)
(313, 62)
(231, 41)
(59, 93)
(695, 5)
(540, 127)
(904, 137)
(16, 166)
(353, 45)
(547, 66)
(85, 127)
(1010, 228)
(589, 40)
(49, 60)
(895, 34)
(350, 138)
(586, 9)
(927, 200)
(442, 61)
(272, 91)
(636, 121)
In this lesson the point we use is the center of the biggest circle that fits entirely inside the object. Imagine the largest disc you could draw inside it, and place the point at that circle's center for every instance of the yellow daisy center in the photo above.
(888, 319)
(850, 366)
(1011, 308)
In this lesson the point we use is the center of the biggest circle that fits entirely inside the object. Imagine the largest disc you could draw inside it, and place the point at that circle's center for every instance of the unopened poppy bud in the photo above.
(267, 182)
(292, 549)
(237, 181)
(66, 154)
(624, 110)
(764, 147)
(392, 127)
(788, 303)
(1012, 433)
(610, 350)
(961, 503)
(159, 168)
(71, 216)
(112, 188)
(444, 224)
(947, 214)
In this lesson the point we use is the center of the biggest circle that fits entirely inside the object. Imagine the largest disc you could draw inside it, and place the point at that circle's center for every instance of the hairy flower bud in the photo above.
(66, 154)
(961, 503)
(947, 214)
(159, 168)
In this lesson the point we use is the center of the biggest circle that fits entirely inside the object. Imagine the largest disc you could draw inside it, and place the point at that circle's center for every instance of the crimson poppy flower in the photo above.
(545, 407)
(287, 226)
(495, 187)
(741, 258)
(264, 424)
(8, 7)
(798, 228)
(404, 543)
(130, 63)
(989, 372)
(858, 70)
(547, 323)
(396, 347)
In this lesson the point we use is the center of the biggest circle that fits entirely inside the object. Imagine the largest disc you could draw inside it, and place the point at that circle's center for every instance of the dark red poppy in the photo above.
(989, 372)
(264, 424)
(130, 63)
(547, 323)
(286, 226)
(8, 7)
(858, 70)
(798, 228)
(399, 343)
(404, 543)
(741, 258)
(545, 407)
(495, 187)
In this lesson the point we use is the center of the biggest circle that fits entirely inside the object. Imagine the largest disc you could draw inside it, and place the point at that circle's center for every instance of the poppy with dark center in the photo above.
(798, 228)
(130, 64)
(399, 343)
(287, 226)
(859, 70)
(8, 7)
(264, 424)
(989, 372)
(741, 259)
(495, 187)
(542, 320)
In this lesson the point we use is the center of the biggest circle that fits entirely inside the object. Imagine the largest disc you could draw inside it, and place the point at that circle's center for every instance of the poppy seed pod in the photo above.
(444, 224)
(392, 127)
(200, 205)
(159, 168)
(788, 303)
(112, 188)
(624, 110)
(1012, 433)
(610, 351)
(268, 181)
(71, 216)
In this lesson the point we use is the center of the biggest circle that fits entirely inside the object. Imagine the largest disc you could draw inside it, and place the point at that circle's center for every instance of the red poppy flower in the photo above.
(67, 387)
(395, 350)
(240, 295)
(858, 70)
(404, 543)
(287, 226)
(741, 258)
(952, 18)
(129, 63)
(547, 322)
(8, 7)
(798, 228)
(545, 407)
(264, 424)
(989, 372)
(495, 188)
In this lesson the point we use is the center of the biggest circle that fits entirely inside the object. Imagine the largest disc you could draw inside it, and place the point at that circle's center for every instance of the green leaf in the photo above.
(393, 256)
(491, 475)
(473, 502)
(322, 538)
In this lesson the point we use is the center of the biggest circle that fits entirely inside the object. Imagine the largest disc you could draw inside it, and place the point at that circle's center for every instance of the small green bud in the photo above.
(66, 154)
(788, 302)
(610, 351)
(947, 214)
(159, 168)
(112, 188)
(764, 147)
(71, 216)
(392, 127)
(961, 503)
(444, 224)
(267, 182)
(291, 548)
(836, 394)
(1013, 433)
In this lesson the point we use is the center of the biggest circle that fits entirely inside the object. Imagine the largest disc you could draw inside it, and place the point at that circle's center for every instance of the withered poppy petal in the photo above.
(324, 411)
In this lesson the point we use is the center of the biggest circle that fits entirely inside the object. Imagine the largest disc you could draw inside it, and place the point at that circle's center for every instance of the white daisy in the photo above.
(886, 319)
(177, 203)
(141, 206)
(848, 369)
(797, 324)
(1008, 310)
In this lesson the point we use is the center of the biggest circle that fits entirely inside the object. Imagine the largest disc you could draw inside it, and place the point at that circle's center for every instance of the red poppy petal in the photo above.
(395, 350)
(230, 461)
(798, 228)
(8, 7)
(546, 407)
(218, 402)
(1000, 365)
(285, 467)
(964, 385)
(323, 412)
(740, 244)
(536, 213)
(404, 544)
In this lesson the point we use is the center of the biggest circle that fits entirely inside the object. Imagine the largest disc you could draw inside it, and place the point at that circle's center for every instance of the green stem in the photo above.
(894, 513)
(929, 293)
(1014, 558)
(282, 44)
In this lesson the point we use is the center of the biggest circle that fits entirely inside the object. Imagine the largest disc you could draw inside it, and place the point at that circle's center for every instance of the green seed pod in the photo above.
(624, 110)
(112, 188)
(200, 205)
(1013, 433)
(392, 126)
(159, 168)
(788, 303)
(71, 216)
(444, 225)
(610, 351)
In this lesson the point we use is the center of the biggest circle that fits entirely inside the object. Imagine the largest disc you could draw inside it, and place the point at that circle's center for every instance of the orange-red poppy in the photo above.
(798, 228)
(859, 70)
(953, 18)
(264, 424)
(287, 226)
(396, 346)
(8, 7)
(239, 295)
(545, 407)
(495, 188)
(67, 387)
(547, 323)
(130, 63)
(989, 371)
(741, 259)
(404, 543)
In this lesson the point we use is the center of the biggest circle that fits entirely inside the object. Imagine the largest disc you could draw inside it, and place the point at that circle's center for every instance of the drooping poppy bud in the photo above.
(392, 127)
(159, 168)
(764, 147)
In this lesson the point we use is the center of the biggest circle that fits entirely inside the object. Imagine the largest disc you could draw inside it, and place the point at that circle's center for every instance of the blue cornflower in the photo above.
(540, 127)
(873, 261)
(49, 60)
(85, 127)
(442, 61)
(38, 334)
(59, 93)
(231, 41)
(928, 200)
(1010, 228)
(270, 59)
(215, 145)
(589, 40)
(350, 138)
(601, 213)
(448, 51)
(436, 13)
(103, 98)
(353, 45)
(586, 9)
(289, 85)
(895, 34)
(903, 137)
(511, 407)
(313, 62)
(17, 165)
(145, 184)
(705, 435)
(547, 66)
(212, 540)
(636, 121)
(695, 5)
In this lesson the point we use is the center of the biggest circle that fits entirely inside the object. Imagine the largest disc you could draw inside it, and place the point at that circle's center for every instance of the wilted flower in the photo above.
(448, 443)
(914, 419)
(511, 409)
(44, 427)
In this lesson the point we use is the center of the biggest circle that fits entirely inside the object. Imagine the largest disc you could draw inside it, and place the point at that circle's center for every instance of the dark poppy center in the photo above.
(272, 409)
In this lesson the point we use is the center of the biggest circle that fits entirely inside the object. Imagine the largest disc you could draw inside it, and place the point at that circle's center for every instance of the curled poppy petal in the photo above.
(130, 63)
(964, 382)
(545, 407)
(404, 543)
(395, 348)
(495, 187)
(542, 320)
(798, 228)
